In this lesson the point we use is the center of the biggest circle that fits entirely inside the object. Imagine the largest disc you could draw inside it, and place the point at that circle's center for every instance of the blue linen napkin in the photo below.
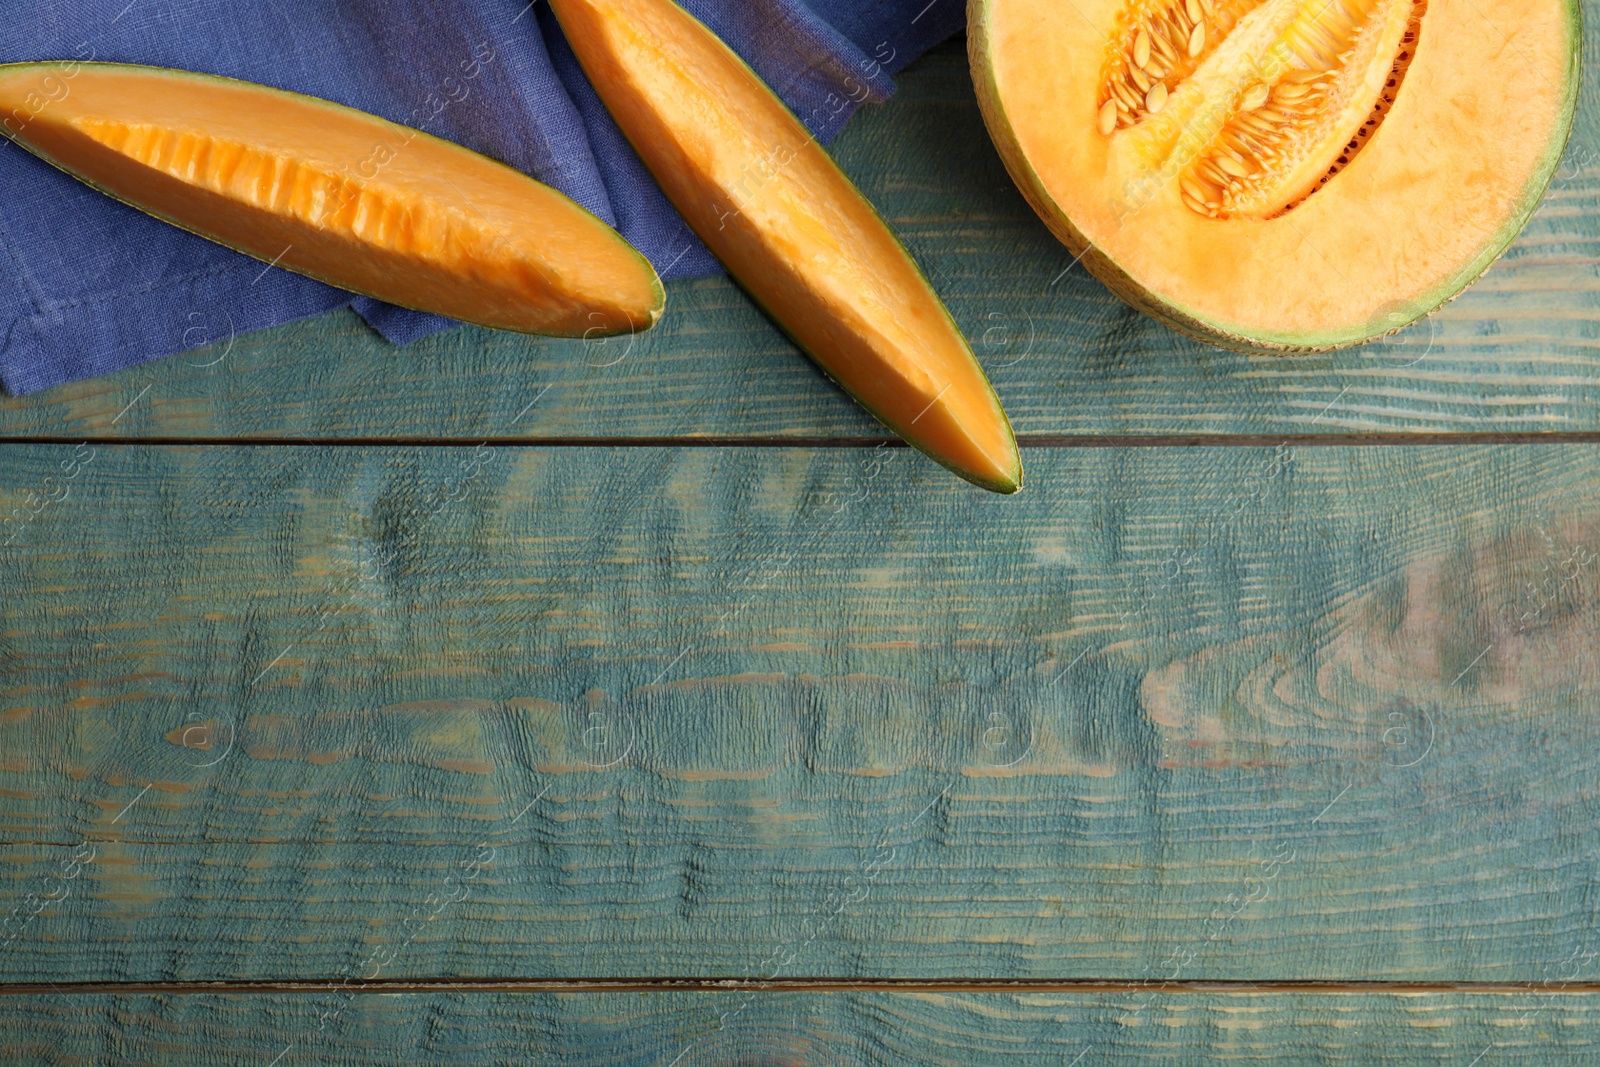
(89, 285)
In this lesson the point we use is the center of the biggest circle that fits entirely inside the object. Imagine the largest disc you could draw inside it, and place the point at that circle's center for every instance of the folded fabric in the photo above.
(90, 286)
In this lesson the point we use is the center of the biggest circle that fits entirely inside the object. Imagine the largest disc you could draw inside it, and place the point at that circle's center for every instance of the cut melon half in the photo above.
(343, 196)
(1281, 174)
(773, 206)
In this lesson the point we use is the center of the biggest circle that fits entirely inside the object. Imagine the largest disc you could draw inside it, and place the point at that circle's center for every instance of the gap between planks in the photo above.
(1038, 441)
(1234, 987)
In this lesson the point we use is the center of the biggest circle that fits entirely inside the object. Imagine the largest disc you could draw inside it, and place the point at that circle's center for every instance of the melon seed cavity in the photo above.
(1254, 121)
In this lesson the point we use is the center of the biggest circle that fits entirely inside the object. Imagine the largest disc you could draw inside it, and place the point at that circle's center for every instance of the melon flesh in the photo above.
(1281, 174)
(772, 205)
(337, 194)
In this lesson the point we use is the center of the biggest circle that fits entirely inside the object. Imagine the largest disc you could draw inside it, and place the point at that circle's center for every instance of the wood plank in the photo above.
(1544, 1027)
(1310, 713)
(1517, 354)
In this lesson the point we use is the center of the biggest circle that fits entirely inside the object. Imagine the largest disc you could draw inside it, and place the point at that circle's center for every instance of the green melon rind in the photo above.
(477, 158)
(1229, 336)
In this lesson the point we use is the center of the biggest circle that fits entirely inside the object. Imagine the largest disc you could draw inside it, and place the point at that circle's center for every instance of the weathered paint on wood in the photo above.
(1543, 1028)
(1520, 352)
(1315, 712)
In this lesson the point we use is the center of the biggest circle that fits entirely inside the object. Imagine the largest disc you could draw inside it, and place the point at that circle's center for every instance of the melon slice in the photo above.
(1281, 174)
(772, 205)
(343, 196)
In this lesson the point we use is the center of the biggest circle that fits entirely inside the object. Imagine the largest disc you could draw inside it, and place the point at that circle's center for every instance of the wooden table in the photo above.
(496, 700)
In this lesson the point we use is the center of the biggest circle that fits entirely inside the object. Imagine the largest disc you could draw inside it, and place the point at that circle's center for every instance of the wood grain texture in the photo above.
(1519, 353)
(1322, 712)
(795, 1030)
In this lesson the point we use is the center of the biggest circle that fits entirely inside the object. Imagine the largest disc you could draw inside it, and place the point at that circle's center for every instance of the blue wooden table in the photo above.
(502, 700)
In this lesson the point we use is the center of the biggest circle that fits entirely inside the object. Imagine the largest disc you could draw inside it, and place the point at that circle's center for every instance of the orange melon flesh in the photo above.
(1281, 174)
(343, 196)
(791, 228)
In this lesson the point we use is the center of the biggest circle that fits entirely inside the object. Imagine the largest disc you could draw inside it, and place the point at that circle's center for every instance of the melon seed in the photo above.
(1230, 165)
(1211, 172)
(1195, 205)
(1163, 46)
(1156, 98)
(1108, 117)
(1194, 188)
